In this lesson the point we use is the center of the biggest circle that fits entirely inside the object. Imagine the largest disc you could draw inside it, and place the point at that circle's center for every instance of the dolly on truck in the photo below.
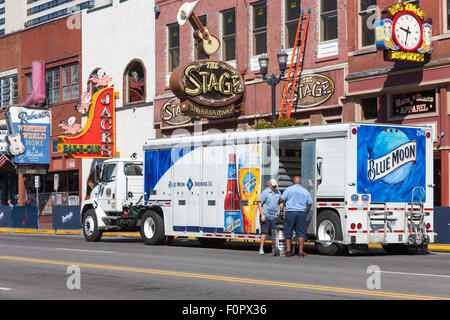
(370, 183)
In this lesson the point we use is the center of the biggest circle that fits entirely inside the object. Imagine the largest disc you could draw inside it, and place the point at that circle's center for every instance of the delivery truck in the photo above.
(370, 183)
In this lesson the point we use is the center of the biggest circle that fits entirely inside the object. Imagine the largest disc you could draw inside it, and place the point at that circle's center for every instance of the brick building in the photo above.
(58, 45)
(248, 29)
(10, 48)
(377, 88)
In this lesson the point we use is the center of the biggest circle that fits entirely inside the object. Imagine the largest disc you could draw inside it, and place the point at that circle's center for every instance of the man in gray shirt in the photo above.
(268, 207)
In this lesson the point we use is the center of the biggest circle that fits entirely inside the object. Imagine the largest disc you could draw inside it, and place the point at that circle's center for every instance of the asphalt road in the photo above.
(39, 266)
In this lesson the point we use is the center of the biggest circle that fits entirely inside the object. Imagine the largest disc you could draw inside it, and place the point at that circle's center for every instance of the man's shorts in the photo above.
(295, 220)
(267, 226)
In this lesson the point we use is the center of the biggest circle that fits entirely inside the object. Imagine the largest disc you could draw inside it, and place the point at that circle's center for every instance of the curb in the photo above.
(434, 247)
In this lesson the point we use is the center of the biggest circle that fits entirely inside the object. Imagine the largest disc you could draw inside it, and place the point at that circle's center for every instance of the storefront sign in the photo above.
(29, 140)
(313, 90)
(171, 113)
(414, 103)
(209, 89)
(403, 34)
(97, 140)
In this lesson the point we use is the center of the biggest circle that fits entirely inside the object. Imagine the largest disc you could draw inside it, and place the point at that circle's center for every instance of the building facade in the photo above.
(119, 38)
(247, 30)
(402, 92)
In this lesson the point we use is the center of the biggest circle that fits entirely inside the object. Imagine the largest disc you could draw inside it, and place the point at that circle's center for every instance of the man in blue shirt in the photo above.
(297, 202)
(268, 207)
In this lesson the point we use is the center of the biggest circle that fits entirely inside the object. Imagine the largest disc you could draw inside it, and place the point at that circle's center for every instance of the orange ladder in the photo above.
(303, 23)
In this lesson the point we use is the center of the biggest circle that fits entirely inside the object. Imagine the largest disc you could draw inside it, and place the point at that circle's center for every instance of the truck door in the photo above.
(107, 192)
(309, 179)
(186, 189)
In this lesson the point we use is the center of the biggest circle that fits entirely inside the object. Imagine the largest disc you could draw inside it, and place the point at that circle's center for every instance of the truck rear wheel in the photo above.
(91, 231)
(329, 230)
(152, 228)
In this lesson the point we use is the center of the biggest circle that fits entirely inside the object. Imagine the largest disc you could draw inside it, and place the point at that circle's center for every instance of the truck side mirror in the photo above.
(98, 174)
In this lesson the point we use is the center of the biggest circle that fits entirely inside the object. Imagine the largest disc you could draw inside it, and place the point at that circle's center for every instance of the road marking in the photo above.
(416, 274)
(84, 250)
(229, 279)
(5, 289)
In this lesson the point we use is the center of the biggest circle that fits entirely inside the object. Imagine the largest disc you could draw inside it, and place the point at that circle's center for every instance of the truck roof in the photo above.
(291, 133)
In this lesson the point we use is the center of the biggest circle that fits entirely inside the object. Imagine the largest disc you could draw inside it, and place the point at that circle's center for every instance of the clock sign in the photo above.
(402, 34)
(407, 31)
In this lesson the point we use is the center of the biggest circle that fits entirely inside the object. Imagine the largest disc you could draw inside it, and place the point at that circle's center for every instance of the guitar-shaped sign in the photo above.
(210, 43)
(16, 146)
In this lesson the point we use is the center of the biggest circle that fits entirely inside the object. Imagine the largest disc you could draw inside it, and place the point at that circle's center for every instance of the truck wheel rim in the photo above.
(326, 233)
(89, 226)
(149, 228)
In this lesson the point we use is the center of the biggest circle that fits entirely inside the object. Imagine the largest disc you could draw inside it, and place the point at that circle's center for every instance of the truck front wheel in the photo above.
(91, 231)
(152, 228)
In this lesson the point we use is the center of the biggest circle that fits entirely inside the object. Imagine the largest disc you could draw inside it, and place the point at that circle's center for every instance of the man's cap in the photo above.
(273, 182)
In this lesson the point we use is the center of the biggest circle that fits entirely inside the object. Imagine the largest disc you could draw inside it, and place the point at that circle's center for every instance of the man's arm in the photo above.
(308, 207)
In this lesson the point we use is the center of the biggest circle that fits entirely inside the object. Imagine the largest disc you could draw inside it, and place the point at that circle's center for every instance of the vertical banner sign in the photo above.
(29, 140)
(97, 140)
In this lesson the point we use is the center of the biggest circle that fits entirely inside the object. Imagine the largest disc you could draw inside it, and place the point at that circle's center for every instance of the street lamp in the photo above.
(273, 80)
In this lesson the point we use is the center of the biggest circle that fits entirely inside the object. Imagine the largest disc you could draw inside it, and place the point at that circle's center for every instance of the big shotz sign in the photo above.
(391, 162)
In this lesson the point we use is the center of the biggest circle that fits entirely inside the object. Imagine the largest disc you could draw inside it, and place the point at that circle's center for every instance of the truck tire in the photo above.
(329, 228)
(152, 228)
(91, 231)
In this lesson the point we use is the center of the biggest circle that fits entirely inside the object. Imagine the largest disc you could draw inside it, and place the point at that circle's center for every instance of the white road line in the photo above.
(416, 274)
(83, 250)
(5, 289)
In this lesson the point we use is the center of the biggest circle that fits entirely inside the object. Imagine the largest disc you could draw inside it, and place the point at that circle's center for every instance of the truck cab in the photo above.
(109, 206)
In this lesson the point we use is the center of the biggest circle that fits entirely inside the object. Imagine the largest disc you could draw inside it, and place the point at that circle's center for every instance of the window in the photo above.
(259, 28)
(174, 46)
(369, 109)
(198, 53)
(8, 91)
(52, 83)
(367, 12)
(109, 173)
(328, 20)
(70, 82)
(134, 83)
(229, 35)
(133, 169)
(414, 2)
(448, 15)
(291, 24)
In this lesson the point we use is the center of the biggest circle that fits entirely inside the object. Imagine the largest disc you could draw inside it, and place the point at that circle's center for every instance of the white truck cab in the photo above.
(109, 206)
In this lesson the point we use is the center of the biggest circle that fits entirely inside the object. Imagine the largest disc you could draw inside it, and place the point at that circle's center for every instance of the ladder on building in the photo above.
(298, 52)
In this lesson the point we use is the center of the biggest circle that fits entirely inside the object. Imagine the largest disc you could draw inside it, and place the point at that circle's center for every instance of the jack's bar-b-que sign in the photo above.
(208, 89)
(97, 140)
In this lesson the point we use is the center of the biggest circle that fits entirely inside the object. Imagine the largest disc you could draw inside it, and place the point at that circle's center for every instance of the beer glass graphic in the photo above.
(249, 180)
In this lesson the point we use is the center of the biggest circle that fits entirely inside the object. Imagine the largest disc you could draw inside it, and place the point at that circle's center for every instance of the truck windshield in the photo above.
(133, 169)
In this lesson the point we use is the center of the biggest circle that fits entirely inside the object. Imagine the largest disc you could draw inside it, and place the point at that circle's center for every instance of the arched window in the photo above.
(134, 82)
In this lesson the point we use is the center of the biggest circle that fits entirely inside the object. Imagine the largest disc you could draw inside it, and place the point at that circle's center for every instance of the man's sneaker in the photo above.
(302, 255)
(261, 252)
(289, 254)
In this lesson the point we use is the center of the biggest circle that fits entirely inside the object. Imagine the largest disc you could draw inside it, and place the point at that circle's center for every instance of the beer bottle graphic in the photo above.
(232, 205)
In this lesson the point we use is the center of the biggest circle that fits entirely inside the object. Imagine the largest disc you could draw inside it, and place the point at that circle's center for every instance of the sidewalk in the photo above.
(433, 247)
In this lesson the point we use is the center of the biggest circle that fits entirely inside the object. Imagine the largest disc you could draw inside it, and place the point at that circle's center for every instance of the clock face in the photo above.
(407, 31)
